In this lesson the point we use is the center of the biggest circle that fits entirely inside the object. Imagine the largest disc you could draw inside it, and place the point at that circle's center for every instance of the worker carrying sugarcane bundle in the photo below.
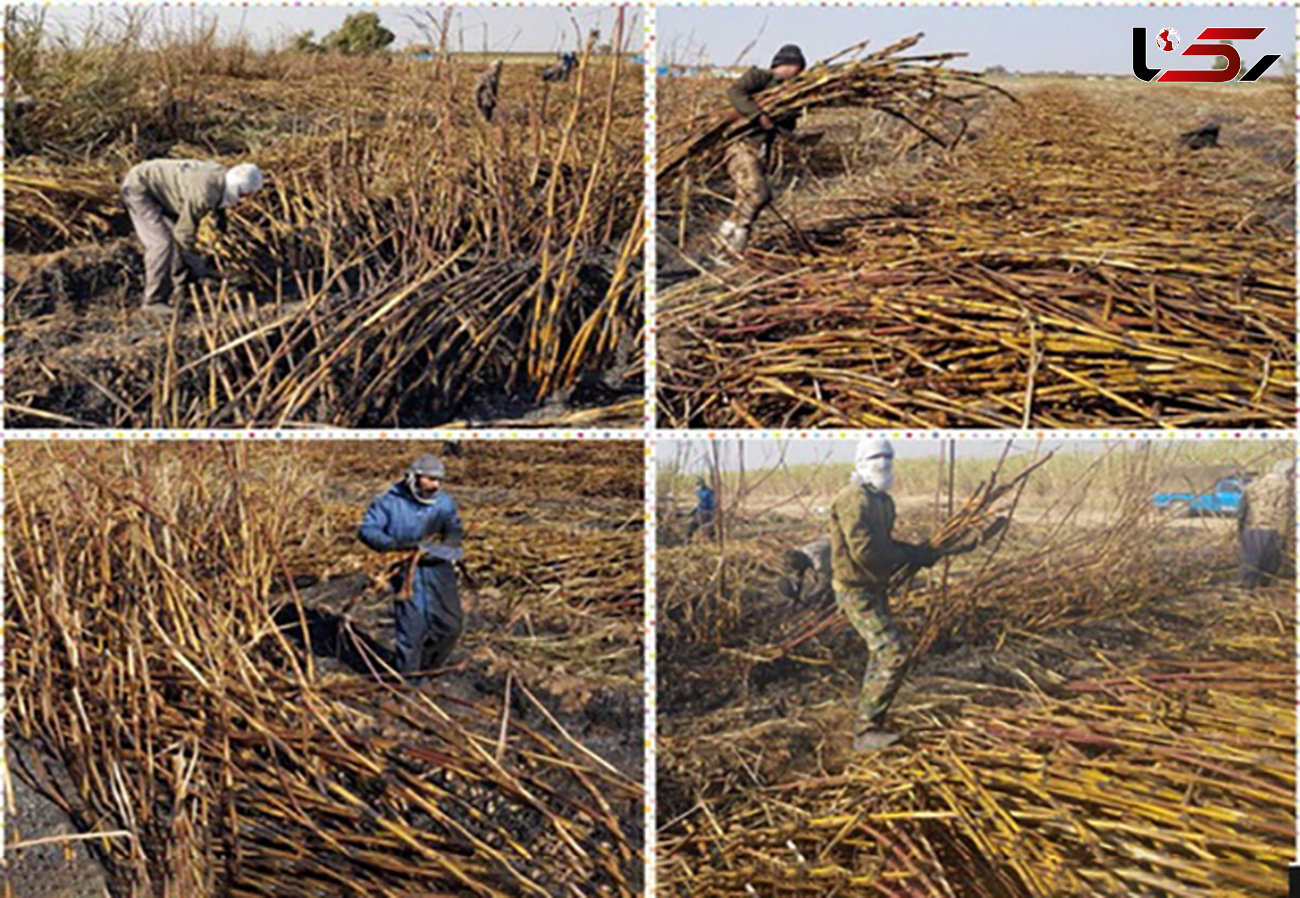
(865, 559)
(485, 95)
(418, 518)
(749, 159)
(167, 199)
(1266, 524)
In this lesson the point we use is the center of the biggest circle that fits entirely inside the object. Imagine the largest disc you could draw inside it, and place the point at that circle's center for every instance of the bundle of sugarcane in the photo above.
(1034, 282)
(144, 658)
(906, 87)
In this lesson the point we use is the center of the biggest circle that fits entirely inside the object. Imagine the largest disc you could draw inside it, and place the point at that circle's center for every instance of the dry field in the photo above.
(1063, 262)
(162, 599)
(407, 264)
(1093, 706)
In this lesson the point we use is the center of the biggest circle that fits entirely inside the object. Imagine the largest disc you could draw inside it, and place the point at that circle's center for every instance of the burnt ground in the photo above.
(75, 333)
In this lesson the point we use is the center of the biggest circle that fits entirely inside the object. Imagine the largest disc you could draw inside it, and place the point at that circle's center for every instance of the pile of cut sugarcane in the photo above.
(1072, 267)
(144, 659)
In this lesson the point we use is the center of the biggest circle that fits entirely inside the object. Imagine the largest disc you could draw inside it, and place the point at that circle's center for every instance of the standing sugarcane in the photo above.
(866, 560)
(748, 160)
(417, 516)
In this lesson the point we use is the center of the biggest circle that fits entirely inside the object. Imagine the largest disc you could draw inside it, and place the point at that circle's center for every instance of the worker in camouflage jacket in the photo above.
(747, 159)
(167, 199)
(1266, 524)
(414, 516)
(865, 557)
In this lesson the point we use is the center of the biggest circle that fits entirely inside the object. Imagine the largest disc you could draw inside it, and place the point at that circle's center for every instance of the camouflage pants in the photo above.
(887, 653)
(745, 167)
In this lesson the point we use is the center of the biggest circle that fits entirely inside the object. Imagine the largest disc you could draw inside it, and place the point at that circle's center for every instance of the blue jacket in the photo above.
(704, 499)
(396, 521)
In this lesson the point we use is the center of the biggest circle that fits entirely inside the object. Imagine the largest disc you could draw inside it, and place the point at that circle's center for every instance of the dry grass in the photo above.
(149, 589)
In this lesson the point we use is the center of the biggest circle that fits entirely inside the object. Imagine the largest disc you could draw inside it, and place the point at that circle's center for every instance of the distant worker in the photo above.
(1266, 524)
(560, 71)
(808, 574)
(485, 96)
(864, 559)
(748, 159)
(706, 509)
(417, 517)
(167, 198)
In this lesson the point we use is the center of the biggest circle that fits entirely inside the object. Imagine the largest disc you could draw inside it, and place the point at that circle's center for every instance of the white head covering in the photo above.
(874, 463)
(241, 180)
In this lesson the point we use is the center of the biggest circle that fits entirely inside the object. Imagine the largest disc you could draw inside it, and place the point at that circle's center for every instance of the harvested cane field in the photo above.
(161, 601)
(950, 251)
(1093, 706)
(407, 264)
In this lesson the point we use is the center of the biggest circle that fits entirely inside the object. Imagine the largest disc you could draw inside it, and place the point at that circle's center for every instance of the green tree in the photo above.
(360, 34)
(306, 43)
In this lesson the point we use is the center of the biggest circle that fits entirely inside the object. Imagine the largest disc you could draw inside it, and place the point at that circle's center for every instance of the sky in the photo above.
(519, 29)
(1092, 40)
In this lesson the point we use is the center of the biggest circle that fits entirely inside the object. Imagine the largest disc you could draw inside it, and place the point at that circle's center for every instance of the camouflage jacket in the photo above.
(864, 553)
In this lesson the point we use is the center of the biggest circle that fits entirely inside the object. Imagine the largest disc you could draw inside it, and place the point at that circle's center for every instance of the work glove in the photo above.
(436, 551)
(925, 555)
(198, 269)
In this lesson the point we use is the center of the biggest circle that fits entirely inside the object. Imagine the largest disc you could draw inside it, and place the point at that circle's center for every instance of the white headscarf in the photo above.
(241, 180)
(874, 464)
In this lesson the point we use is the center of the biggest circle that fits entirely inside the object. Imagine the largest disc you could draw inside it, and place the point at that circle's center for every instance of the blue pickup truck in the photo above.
(1221, 500)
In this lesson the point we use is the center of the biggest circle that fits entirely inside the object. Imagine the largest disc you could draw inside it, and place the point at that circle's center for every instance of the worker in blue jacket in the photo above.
(418, 517)
(706, 507)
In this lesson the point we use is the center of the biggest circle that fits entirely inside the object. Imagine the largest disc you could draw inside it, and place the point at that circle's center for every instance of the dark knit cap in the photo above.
(790, 54)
